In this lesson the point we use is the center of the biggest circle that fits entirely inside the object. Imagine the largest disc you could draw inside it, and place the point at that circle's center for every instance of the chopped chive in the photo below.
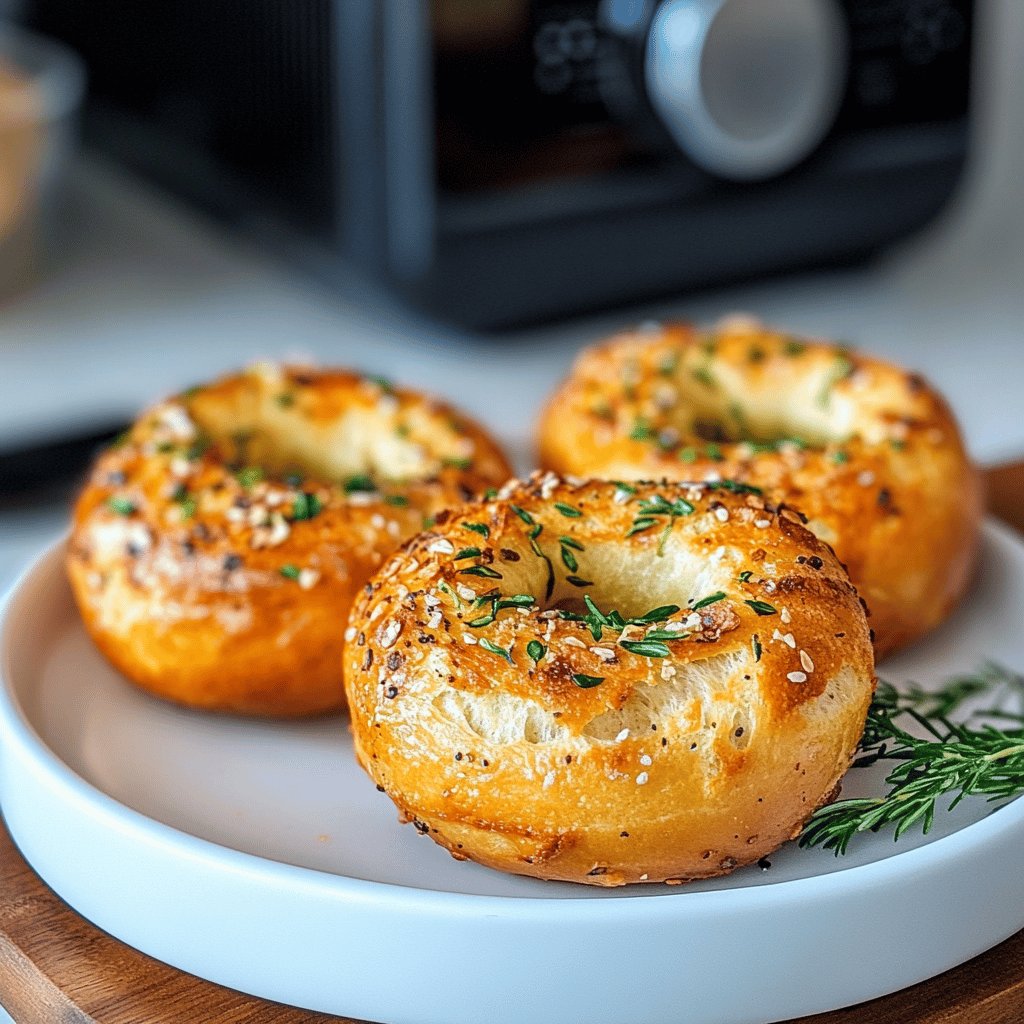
(454, 462)
(524, 515)
(585, 682)
(306, 506)
(841, 369)
(398, 500)
(794, 348)
(761, 607)
(687, 454)
(466, 553)
(481, 570)
(734, 487)
(571, 542)
(666, 634)
(640, 524)
(576, 581)
(495, 649)
(755, 642)
(359, 482)
(569, 559)
(249, 476)
(714, 598)
(517, 601)
(122, 506)
(289, 571)
(490, 494)
(744, 577)
(445, 589)
(642, 430)
(285, 399)
(658, 614)
(482, 528)
(536, 650)
(568, 510)
(840, 457)
(646, 648)
(703, 375)
(620, 486)
(714, 452)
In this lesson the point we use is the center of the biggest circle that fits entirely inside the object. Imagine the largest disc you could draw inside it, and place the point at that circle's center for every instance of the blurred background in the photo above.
(460, 194)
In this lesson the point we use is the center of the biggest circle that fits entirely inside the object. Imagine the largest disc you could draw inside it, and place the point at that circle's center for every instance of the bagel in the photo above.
(869, 452)
(217, 546)
(610, 683)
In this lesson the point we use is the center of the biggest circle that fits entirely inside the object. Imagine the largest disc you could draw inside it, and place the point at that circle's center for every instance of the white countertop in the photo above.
(149, 296)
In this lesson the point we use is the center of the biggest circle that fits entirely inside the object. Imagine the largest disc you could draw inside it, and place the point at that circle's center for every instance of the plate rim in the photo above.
(16, 728)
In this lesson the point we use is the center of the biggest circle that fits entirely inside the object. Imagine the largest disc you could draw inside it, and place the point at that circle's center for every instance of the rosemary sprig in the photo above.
(952, 760)
(652, 511)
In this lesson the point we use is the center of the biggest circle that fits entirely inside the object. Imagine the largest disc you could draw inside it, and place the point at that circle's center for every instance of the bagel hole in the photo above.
(356, 442)
(719, 404)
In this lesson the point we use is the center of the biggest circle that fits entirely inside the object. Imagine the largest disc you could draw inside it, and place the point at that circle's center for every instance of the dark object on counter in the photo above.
(508, 161)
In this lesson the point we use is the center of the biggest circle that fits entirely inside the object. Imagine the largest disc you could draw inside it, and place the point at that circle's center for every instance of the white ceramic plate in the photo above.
(258, 855)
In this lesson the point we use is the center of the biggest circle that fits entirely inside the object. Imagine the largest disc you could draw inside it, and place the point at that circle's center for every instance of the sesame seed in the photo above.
(641, 779)
(468, 638)
(466, 593)
(604, 653)
(785, 616)
(797, 677)
(645, 759)
(377, 521)
(622, 735)
(388, 633)
(865, 478)
(722, 514)
(441, 546)
(572, 641)
(762, 523)
(549, 779)
(805, 660)
(308, 578)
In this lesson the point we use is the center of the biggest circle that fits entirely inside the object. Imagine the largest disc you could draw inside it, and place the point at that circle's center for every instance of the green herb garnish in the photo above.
(952, 759)
(481, 570)
(646, 648)
(289, 571)
(585, 682)
(569, 511)
(536, 650)
(306, 506)
(121, 505)
(495, 649)
(761, 607)
(717, 596)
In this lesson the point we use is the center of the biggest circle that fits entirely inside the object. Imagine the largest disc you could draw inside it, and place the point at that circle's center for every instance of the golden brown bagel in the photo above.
(570, 748)
(217, 547)
(868, 451)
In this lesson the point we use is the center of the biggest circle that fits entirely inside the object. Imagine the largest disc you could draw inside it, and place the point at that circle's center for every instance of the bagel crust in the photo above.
(868, 451)
(607, 683)
(217, 547)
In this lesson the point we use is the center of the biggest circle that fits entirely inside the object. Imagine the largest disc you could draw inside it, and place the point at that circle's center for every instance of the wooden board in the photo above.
(56, 967)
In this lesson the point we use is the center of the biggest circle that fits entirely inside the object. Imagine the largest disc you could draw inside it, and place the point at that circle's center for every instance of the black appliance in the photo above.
(500, 161)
